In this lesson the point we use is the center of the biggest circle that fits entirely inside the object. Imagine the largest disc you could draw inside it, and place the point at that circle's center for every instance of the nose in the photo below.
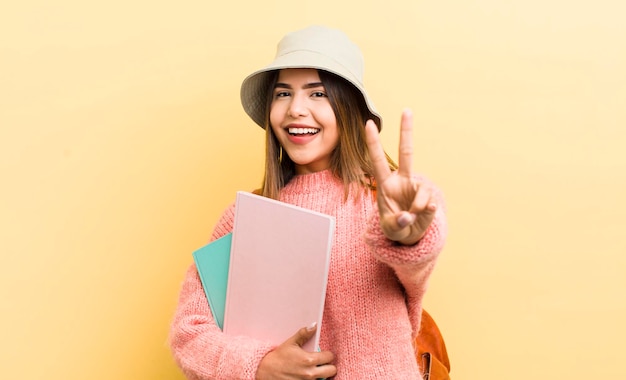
(297, 107)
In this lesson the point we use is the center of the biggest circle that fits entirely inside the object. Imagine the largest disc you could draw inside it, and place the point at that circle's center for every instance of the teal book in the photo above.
(212, 262)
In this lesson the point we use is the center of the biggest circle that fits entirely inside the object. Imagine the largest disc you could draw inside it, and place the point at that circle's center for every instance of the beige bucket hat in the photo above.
(316, 47)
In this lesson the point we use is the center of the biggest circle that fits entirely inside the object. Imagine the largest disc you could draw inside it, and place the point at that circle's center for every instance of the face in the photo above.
(303, 120)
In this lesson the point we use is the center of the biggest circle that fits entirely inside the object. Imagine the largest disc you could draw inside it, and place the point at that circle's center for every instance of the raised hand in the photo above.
(406, 205)
(290, 361)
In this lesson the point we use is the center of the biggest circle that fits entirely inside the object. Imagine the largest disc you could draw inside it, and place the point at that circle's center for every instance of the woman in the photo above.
(323, 153)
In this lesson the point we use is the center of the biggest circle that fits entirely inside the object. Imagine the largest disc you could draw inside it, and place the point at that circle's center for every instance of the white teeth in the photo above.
(303, 131)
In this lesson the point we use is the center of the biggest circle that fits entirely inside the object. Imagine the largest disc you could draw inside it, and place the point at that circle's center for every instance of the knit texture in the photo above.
(373, 301)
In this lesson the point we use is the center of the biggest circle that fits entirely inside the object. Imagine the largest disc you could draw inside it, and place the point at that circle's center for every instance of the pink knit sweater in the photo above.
(373, 303)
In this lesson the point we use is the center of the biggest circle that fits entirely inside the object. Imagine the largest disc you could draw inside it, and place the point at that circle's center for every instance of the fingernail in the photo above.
(312, 326)
(406, 219)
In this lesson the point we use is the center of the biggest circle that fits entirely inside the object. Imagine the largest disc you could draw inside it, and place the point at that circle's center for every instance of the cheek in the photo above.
(326, 112)
(330, 121)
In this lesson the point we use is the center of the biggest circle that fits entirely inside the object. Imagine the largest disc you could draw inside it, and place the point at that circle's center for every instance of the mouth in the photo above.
(303, 131)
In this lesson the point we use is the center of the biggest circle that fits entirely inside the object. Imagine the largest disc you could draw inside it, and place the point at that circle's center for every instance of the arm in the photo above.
(409, 230)
(412, 264)
(199, 347)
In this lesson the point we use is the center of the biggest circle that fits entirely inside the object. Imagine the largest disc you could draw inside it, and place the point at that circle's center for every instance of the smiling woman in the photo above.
(324, 153)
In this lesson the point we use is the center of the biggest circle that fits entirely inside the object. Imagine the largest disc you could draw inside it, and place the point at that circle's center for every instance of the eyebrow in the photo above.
(306, 86)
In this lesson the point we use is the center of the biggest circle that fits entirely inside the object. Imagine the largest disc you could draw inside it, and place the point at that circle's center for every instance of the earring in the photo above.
(280, 154)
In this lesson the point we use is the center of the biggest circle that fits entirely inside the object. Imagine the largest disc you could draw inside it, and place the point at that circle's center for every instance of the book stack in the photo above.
(267, 278)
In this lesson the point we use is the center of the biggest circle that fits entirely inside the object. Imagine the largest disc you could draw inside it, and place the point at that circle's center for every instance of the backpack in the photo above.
(430, 350)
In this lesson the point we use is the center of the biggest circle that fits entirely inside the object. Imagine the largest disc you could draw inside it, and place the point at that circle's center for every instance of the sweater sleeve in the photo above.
(412, 264)
(200, 348)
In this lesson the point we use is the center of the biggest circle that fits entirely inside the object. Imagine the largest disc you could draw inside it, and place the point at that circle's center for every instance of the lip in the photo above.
(300, 139)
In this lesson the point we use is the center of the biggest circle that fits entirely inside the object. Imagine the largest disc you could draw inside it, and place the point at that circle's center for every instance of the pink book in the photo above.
(278, 269)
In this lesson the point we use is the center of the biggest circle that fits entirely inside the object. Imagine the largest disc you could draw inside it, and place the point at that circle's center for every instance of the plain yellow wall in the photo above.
(122, 139)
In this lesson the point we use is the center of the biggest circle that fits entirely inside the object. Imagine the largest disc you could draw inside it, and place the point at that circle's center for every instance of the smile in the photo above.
(303, 131)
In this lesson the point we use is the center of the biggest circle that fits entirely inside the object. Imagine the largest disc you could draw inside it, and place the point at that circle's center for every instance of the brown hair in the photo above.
(350, 161)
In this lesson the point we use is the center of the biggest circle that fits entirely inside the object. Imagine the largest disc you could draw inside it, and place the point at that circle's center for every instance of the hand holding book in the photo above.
(290, 360)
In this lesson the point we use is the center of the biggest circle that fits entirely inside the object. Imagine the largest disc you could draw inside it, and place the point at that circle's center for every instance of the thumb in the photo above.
(304, 334)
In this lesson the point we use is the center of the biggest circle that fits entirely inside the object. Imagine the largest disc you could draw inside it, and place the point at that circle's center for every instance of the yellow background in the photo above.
(122, 139)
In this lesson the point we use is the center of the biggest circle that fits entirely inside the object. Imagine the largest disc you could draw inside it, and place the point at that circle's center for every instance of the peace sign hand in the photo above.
(405, 204)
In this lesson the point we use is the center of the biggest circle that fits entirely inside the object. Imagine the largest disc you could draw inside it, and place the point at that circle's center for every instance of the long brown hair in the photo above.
(350, 160)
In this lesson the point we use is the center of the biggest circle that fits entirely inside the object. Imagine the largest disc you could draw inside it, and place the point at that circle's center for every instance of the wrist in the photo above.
(411, 240)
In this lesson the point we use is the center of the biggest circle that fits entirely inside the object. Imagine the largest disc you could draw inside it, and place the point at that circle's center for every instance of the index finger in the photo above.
(405, 152)
(377, 154)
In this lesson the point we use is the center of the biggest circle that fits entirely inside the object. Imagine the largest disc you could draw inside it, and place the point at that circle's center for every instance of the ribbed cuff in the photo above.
(394, 253)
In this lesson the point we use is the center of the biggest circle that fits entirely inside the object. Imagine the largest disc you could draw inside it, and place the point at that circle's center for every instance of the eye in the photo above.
(281, 94)
(318, 94)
